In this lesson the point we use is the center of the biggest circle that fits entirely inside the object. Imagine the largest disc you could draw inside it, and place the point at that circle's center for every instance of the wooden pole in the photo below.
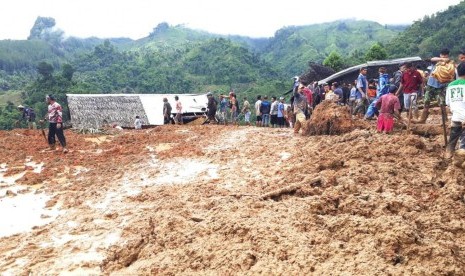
(444, 119)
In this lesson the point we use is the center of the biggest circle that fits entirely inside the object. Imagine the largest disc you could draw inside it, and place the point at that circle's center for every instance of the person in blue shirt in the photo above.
(360, 96)
(382, 89)
(281, 120)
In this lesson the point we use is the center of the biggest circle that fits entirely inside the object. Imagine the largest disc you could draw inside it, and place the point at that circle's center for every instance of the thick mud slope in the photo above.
(230, 200)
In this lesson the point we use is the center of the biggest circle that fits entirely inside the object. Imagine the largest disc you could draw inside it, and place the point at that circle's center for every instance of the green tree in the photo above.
(334, 61)
(45, 70)
(376, 52)
(67, 71)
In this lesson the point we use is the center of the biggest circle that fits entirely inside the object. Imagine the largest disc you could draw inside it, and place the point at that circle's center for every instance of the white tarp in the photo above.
(92, 110)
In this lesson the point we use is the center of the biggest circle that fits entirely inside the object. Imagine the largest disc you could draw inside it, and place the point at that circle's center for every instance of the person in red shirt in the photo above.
(55, 126)
(388, 106)
(410, 83)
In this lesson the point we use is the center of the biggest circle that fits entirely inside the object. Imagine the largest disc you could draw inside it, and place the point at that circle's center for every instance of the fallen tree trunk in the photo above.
(426, 129)
(289, 189)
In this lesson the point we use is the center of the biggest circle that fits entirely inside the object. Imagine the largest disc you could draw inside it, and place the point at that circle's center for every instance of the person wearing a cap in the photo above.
(388, 106)
(55, 126)
(28, 115)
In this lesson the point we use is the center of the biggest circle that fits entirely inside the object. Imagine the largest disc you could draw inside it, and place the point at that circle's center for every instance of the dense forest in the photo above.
(175, 59)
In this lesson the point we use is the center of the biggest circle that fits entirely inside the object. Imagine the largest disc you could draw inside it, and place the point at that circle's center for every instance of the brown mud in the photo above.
(238, 200)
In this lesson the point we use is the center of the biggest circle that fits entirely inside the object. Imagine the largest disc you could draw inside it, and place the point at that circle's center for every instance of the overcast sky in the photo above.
(136, 18)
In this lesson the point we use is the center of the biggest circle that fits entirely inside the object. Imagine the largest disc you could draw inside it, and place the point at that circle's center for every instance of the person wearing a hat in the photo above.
(389, 107)
(28, 115)
(55, 126)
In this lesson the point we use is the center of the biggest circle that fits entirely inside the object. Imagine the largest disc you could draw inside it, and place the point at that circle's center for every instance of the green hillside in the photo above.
(292, 48)
(165, 36)
(176, 59)
(428, 36)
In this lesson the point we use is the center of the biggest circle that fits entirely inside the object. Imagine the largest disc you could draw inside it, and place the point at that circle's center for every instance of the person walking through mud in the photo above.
(411, 84)
(455, 99)
(55, 126)
(435, 88)
(300, 104)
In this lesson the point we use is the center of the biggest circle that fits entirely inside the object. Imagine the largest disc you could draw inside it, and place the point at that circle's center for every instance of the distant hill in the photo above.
(428, 36)
(293, 47)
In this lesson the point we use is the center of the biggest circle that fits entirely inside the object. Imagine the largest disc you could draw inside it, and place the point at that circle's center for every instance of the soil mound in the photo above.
(219, 200)
(328, 118)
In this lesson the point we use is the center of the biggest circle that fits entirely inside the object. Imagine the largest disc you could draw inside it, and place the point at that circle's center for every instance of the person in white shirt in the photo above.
(455, 99)
(258, 103)
(138, 123)
(274, 112)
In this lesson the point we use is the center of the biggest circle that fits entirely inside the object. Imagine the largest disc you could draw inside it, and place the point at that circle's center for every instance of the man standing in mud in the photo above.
(435, 90)
(455, 99)
(178, 118)
(55, 127)
(166, 111)
(211, 106)
(258, 114)
(361, 86)
(396, 81)
(300, 104)
(411, 84)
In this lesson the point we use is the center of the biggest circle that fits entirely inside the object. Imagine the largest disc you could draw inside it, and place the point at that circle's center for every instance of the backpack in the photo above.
(30, 114)
(265, 107)
(444, 72)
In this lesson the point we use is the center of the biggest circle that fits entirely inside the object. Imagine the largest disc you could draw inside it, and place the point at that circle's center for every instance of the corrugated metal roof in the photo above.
(368, 64)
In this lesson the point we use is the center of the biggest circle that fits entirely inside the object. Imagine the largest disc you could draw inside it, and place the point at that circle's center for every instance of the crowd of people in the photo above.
(383, 98)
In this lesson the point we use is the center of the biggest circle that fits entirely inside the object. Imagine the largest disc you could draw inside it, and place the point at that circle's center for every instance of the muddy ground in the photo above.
(213, 200)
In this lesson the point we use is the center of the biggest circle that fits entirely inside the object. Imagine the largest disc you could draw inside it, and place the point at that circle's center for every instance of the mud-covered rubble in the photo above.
(240, 200)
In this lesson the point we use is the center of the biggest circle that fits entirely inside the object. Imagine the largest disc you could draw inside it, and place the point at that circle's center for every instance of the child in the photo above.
(138, 123)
